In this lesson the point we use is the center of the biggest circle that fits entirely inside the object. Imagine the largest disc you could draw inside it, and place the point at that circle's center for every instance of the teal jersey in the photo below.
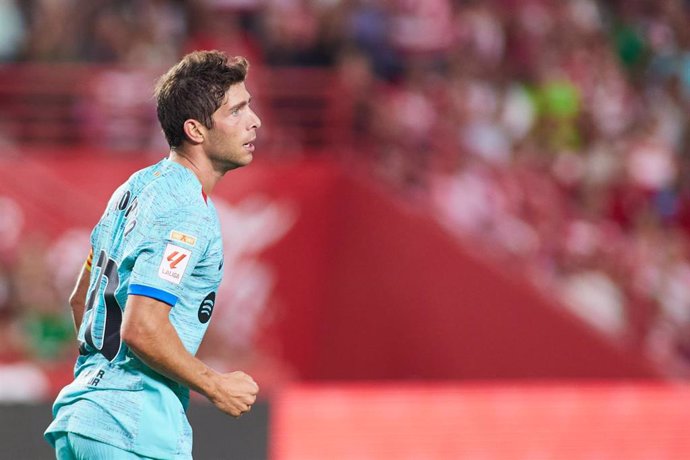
(158, 237)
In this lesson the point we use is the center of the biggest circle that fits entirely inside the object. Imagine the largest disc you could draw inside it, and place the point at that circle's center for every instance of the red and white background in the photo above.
(373, 333)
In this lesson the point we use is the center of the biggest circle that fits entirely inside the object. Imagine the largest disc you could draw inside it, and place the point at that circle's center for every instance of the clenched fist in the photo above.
(235, 393)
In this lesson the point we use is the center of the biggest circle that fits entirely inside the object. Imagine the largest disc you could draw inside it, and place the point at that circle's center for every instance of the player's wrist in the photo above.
(211, 385)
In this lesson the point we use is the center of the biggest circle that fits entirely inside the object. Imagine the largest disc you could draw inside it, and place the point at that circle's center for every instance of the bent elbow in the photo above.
(128, 337)
(139, 337)
(133, 336)
(76, 302)
(144, 325)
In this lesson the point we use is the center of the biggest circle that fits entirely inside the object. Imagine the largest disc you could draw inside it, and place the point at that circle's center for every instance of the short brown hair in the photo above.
(195, 88)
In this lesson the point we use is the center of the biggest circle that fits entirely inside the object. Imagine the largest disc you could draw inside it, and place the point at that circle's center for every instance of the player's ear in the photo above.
(194, 131)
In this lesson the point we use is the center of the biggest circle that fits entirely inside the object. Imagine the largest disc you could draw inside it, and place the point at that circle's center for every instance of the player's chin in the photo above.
(246, 159)
(241, 160)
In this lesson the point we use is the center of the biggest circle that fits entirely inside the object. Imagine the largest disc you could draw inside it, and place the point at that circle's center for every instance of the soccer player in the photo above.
(145, 295)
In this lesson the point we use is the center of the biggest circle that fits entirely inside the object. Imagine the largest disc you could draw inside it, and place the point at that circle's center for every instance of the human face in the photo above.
(230, 142)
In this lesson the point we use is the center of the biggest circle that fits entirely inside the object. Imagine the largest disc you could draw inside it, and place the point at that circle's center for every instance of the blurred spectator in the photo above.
(299, 33)
(367, 27)
(46, 325)
(12, 30)
(12, 344)
(134, 32)
(53, 29)
(222, 29)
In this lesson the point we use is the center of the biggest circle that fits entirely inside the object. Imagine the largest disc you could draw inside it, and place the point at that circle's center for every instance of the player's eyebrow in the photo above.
(240, 105)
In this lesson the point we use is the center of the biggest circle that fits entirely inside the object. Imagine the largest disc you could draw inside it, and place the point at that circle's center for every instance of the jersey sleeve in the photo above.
(164, 251)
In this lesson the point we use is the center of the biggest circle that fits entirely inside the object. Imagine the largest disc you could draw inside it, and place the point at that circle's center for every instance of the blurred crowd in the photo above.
(550, 134)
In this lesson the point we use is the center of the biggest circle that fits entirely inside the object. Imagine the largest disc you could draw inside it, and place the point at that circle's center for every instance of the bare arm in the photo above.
(147, 331)
(77, 300)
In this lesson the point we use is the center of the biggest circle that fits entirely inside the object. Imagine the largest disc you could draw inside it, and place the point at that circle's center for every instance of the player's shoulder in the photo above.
(164, 174)
(167, 185)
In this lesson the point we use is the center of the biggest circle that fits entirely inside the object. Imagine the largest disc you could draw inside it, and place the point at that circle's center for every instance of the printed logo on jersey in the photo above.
(174, 263)
(183, 238)
(206, 308)
(91, 377)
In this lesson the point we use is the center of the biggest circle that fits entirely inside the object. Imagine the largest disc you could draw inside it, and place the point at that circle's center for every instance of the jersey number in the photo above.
(110, 327)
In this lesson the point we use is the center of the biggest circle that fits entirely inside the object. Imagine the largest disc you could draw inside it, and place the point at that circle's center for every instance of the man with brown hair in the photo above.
(145, 296)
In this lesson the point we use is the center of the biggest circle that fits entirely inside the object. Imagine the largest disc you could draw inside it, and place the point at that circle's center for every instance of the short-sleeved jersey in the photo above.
(158, 237)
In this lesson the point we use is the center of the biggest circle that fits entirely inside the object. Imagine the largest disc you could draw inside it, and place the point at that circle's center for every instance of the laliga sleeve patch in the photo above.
(174, 263)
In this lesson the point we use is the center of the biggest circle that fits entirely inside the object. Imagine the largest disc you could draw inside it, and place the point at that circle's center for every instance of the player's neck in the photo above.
(200, 166)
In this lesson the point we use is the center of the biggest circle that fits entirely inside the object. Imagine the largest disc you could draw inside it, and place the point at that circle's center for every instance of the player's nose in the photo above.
(255, 120)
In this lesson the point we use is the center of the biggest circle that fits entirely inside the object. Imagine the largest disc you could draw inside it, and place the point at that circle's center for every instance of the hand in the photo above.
(236, 392)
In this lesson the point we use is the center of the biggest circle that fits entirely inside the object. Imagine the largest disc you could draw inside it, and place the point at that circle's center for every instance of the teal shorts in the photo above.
(71, 446)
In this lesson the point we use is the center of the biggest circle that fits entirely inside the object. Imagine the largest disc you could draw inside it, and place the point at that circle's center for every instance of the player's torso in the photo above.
(160, 238)
(159, 232)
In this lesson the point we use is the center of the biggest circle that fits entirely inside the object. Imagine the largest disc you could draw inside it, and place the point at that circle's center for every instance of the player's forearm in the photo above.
(161, 349)
(77, 314)
(77, 299)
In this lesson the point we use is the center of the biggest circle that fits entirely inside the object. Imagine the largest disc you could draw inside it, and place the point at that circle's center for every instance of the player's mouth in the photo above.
(249, 146)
